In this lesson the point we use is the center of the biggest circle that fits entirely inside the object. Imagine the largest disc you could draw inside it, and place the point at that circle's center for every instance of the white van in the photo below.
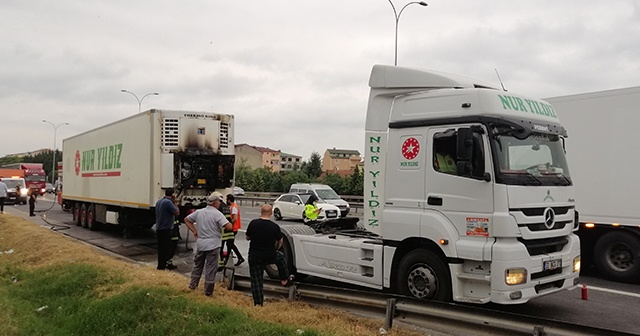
(12, 195)
(323, 192)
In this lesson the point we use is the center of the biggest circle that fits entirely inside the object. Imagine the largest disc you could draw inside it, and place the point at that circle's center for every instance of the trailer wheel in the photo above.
(277, 214)
(617, 256)
(83, 215)
(423, 275)
(76, 214)
(91, 217)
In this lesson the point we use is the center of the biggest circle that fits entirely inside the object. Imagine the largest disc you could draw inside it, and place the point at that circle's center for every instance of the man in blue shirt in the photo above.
(166, 210)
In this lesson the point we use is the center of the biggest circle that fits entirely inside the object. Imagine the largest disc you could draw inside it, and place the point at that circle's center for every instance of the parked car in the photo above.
(323, 192)
(292, 206)
(237, 191)
(49, 188)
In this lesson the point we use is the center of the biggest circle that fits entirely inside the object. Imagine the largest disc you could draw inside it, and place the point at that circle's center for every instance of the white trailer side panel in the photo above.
(114, 164)
(603, 151)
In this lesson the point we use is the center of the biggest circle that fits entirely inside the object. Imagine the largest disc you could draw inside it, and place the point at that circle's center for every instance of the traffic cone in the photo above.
(585, 295)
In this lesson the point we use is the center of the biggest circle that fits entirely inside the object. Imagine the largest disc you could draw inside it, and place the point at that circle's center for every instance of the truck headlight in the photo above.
(515, 276)
(576, 264)
(24, 191)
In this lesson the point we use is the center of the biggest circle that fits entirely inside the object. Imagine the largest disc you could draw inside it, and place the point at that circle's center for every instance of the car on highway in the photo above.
(292, 206)
(49, 188)
(237, 191)
(16, 190)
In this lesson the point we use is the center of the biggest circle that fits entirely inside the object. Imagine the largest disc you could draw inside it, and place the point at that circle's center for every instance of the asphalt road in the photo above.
(610, 305)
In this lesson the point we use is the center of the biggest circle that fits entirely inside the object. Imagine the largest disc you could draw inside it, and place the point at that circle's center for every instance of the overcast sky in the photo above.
(294, 73)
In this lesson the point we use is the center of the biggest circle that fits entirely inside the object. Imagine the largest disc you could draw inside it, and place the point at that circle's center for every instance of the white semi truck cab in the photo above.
(468, 196)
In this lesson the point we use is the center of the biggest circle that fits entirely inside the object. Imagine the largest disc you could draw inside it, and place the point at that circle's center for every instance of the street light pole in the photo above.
(397, 16)
(53, 164)
(141, 99)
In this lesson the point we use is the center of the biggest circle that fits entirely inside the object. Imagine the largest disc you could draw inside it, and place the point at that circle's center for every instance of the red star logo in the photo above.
(410, 148)
(77, 163)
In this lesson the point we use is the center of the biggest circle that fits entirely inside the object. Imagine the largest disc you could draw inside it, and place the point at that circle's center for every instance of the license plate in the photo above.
(551, 264)
(202, 181)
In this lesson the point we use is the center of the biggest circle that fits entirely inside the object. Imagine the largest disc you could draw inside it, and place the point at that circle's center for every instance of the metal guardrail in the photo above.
(427, 314)
(259, 198)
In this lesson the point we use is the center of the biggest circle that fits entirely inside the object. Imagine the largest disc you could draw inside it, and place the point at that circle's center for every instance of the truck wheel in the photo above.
(276, 214)
(76, 214)
(617, 256)
(272, 270)
(423, 275)
(91, 218)
(83, 215)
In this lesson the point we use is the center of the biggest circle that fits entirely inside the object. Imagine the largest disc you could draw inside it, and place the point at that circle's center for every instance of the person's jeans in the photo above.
(256, 271)
(164, 247)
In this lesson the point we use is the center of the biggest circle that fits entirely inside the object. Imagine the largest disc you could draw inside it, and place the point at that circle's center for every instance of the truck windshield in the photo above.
(327, 194)
(538, 159)
(34, 178)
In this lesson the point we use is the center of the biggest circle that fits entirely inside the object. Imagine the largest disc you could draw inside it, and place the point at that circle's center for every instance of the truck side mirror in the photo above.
(464, 144)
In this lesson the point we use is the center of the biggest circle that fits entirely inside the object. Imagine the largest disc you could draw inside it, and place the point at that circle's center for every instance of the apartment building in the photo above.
(335, 160)
(258, 157)
(289, 162)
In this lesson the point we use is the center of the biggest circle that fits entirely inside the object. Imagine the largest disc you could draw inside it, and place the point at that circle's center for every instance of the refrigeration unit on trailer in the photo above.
(114, 174)
(467, 196)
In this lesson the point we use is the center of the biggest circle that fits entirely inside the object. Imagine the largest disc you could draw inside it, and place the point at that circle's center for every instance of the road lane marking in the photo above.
(607, 290)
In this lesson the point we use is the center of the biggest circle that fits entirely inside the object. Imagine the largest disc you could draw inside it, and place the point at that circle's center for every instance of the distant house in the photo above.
(289, 162)
(258, 157)
(336, 160)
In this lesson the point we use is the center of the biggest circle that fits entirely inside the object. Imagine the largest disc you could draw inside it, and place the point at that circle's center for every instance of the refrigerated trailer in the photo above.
(602, 147)
(116, 173)
(467, 196)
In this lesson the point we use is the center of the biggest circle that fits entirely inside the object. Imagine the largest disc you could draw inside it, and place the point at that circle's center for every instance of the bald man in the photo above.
(265, 240)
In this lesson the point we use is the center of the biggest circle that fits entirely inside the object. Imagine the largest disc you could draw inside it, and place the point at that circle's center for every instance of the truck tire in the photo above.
(277, 214)
(617, 256)
(83, 215)
(423, 275)
(287, 249)
(91, 217)
(272, 270)
(76, 214)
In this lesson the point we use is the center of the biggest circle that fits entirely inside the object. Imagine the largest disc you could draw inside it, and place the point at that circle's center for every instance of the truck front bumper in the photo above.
(544, 274)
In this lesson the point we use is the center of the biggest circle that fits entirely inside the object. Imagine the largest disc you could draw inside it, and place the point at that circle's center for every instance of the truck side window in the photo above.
(444, 152)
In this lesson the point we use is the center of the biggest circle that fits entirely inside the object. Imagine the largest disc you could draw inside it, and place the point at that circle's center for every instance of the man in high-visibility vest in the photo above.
(236, 221)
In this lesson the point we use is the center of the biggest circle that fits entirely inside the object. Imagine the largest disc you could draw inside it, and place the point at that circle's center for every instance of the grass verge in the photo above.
(53, 285)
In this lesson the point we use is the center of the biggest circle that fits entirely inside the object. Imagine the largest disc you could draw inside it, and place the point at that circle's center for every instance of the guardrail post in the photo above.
(538, 331)
(391, 312)
(292, 292)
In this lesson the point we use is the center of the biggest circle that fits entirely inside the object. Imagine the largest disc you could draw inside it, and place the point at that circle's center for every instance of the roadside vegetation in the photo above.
(53, 285)
(265, 180)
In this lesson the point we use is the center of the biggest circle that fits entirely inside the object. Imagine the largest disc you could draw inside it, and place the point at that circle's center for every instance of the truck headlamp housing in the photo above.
(23, 191)
(515, 276)
(576, 264)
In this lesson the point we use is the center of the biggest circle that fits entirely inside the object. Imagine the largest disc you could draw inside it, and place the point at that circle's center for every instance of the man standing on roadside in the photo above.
(166, 212)
(208, 234)
(236, 221)
(265, 240)
(3, 195)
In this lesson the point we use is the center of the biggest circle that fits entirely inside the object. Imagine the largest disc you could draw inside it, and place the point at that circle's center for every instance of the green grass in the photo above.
(75, 307)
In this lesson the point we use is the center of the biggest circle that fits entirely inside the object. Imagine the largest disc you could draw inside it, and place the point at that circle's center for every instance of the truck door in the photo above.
(460, 194)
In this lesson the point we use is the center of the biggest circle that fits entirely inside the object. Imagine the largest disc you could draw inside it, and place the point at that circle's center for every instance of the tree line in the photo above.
(265, 180)
(46, 158)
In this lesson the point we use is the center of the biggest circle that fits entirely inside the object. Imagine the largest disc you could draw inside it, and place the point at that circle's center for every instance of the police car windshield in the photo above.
(538, 159)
